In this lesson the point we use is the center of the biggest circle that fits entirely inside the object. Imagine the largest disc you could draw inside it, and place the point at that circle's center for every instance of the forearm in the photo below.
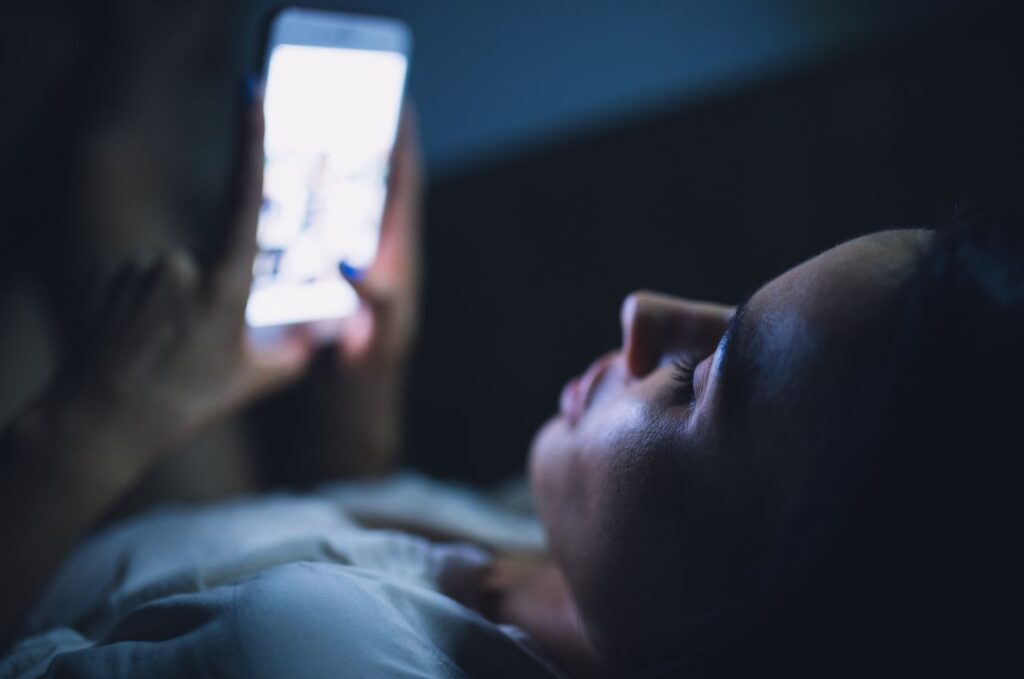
(60, 470)
(360, 420)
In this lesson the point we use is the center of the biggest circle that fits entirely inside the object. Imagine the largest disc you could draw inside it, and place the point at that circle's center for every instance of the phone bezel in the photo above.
(373, 32)
(297, 25)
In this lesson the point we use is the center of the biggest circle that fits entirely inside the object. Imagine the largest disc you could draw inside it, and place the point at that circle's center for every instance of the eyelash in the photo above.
(683, 375)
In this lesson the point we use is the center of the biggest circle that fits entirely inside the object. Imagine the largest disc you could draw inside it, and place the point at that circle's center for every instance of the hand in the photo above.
(361, 427)
(381, 333)
(167, 351)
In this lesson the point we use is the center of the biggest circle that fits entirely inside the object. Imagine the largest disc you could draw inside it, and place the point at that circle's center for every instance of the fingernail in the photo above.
(350, 272)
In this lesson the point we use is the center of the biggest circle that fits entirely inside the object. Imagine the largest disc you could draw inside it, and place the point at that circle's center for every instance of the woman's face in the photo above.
(667, 462)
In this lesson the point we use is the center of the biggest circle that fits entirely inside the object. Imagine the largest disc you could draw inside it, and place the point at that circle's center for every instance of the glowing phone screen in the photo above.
(331, 116)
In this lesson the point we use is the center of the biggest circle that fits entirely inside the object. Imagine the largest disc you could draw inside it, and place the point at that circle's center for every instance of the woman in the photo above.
(767, 487)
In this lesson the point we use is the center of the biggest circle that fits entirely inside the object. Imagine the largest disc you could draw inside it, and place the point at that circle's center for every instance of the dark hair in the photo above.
(915, 567)
(903, 558)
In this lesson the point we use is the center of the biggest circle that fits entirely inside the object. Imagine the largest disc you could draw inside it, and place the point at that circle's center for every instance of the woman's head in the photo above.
(679, 504)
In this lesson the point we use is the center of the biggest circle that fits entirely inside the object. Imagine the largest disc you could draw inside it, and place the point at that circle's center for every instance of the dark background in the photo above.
(531, 255)
(577, 150)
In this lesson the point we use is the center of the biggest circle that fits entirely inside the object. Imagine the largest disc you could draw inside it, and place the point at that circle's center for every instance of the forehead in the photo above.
(828, 301)
(839, 286)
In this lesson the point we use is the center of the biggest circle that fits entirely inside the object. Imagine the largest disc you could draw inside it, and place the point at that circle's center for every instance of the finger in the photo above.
(182, 288)
(233, 274)
(120, 294)
(406, 159)
(376, 311)
(150, 272)
(156, 313)
(405, 186)
(371, 290)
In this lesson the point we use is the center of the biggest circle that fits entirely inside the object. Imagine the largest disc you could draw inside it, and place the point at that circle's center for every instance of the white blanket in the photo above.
(281, 586)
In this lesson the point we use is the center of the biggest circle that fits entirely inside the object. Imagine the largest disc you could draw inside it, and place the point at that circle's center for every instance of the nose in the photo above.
(656, 325)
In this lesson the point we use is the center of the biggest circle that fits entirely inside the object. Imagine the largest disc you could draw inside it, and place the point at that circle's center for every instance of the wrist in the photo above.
(375, 417)
(78, 436)
(361, 431)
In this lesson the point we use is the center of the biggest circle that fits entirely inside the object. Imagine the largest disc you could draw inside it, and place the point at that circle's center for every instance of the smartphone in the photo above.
(334, 86)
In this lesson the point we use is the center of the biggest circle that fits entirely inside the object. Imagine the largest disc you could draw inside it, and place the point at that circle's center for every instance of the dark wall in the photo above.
(490, 77)
(529, 258)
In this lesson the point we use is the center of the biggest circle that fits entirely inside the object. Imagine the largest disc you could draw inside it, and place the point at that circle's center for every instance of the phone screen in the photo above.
(331, 119)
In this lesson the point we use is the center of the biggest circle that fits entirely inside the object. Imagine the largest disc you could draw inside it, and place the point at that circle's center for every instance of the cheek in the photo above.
(573, 473)
(561, 456)
(606, 491)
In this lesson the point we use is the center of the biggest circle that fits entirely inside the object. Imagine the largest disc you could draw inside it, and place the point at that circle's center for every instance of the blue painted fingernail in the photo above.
(350, 272)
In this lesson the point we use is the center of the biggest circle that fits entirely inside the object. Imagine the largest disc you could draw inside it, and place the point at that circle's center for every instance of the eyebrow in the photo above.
(737, 327)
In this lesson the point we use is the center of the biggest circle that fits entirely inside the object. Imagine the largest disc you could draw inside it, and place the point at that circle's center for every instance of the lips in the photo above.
(577, 393)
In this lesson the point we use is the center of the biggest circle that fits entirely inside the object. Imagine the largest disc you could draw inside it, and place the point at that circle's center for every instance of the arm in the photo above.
(360, 389)
(359, 424)
(63, 464)
(166, 356)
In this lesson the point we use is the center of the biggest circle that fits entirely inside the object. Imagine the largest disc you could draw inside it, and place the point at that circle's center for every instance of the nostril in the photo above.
(627, 313)
(640, 359)
(642, 350)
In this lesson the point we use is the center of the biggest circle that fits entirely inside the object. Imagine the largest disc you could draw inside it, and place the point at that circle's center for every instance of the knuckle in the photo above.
(182, 269)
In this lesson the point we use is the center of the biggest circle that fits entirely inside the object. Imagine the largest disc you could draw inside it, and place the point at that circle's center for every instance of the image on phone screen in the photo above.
(332, 114)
